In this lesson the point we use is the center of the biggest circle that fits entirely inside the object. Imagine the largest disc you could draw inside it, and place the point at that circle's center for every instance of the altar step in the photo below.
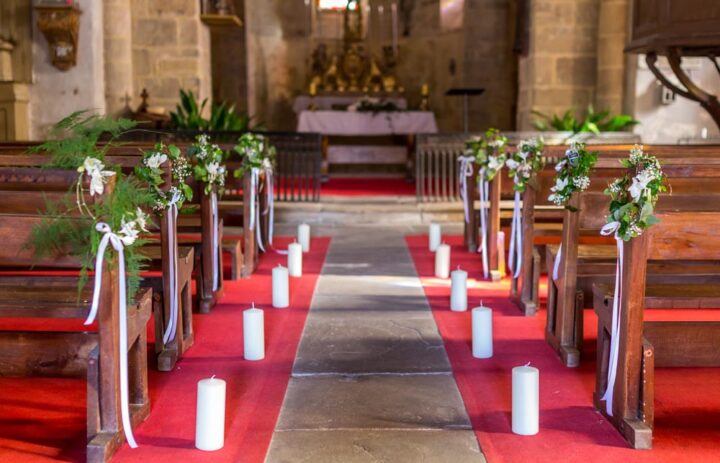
(368, 210)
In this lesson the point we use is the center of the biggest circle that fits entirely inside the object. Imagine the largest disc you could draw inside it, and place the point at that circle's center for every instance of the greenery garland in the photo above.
(525, 162)
(633, 196)
(489, 152)
(255, 151)
(208, 163)
(573, 174)
(150, 171)
(62, 231)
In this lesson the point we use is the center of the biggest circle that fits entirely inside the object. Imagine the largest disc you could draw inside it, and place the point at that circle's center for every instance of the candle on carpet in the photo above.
(280, 287)
(210, 415)
(525, 400)
(295, 259)
(458, 290)
(482, 332)
(253, 334)
(442, 261)
(304, 236)
(435, 236)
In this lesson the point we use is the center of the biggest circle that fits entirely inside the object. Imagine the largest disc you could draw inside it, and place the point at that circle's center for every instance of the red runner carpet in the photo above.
(367, 186)
(43, 420)
(687, 423)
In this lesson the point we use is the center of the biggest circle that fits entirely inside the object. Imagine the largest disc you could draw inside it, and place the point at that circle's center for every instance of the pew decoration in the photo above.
(632, 205)
(522, 166)
(258, 156)
(573, 175)
(489, 154)
(171, 198)
(210, 171)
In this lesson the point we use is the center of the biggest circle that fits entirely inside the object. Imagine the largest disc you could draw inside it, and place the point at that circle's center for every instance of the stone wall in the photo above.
(118, 48)
(171, 50)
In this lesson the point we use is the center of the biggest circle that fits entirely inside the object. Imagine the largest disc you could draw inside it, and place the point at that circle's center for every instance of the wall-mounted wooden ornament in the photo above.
(60, 25)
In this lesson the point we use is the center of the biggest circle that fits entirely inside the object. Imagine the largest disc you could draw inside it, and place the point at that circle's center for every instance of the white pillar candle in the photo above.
(525, 400)
(482, 332)
(295, 259)
(210, 416)
(280, 290)
(253, 334)
(303, 238)
(442, 261)
(435, 236)
(458, 290)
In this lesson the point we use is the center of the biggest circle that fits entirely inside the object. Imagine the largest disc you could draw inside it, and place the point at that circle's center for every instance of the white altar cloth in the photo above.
(351, 123)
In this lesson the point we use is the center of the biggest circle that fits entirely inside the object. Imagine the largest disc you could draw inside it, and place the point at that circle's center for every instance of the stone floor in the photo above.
(371, 381)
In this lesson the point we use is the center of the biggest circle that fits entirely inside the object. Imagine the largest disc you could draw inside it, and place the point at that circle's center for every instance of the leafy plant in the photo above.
(633, 196)
(489, 152)
(189, 115)
(594, 122)
(256, 152)
(573, 173)
(525, 162)
(150, 171)
(208, 165)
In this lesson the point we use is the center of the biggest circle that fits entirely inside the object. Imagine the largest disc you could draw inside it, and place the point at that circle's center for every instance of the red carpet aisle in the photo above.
(39, 426)
(361, 186)
(687, 400)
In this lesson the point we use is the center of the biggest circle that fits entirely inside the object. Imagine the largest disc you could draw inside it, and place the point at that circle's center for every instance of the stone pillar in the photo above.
(117, 22)
(560, 69)
(612, 36)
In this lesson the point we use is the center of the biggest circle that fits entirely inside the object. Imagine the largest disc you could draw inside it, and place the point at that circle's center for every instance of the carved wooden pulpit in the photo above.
(677, 28)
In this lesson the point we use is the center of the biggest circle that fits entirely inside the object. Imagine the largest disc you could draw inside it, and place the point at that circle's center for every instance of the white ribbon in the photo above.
(171, 327)
(117, 244)
(483, 187)
(612, 228)
(270, 188)
(466, 170)
(515, 254)
(556, 264)
(214, 240)
(254, 174)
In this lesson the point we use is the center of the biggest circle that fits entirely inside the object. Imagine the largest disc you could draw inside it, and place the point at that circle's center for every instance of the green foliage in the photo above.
(208, 163)
(76, 137)
(150, 172)
(633, 196)
(525, 162)
(489, 152)
(595, 122)
(188, 115)
(255, 152)
(573, 173)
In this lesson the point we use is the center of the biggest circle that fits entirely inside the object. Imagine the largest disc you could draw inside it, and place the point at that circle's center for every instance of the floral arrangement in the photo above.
(633, 196)
(151, 172)
(572, 173)
(525, 162)
(209, 168)
(255, 152)
(62, 231)
(374, 105)
(489, 152)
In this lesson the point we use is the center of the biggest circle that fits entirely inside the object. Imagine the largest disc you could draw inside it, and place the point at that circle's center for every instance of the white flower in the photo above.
(494, 163)
(512, 164)
(141, 219)
(156, 160)
(93, 168)
(266, 164)
(581, 182)
(560, 184)
(128, 233)
(524, 155)
(213, 169)
(559, 166)
(640, 182)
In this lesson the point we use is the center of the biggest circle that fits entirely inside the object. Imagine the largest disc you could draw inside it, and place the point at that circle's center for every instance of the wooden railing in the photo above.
(436, 166)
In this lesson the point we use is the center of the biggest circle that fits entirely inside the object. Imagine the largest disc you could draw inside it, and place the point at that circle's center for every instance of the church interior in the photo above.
(359, 231)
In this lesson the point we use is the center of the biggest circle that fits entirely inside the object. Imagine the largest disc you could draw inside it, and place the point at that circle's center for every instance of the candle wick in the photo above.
(527, 364)
(212, 377)
(253, 304)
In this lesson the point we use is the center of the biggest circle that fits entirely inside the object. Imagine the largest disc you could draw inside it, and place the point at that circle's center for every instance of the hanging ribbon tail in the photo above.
(513, 235)
(171, 326)
(253, 190)
(517, 216)
(483, 186)
(556, 264)
(466, 170)
(258, 232)
(214, 241)
(271, 203)
(112, 238)
(613, 227)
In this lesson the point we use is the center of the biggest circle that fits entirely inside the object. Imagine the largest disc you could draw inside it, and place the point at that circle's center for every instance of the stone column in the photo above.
(117, 24)
(612, 36)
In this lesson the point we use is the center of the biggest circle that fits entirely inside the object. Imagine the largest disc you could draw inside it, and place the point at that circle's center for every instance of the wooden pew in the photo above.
(688, 234)
(93, 355)
(167, 353)
(582, 266)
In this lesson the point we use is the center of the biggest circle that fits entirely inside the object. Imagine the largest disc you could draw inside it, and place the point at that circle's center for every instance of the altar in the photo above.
(367, 138)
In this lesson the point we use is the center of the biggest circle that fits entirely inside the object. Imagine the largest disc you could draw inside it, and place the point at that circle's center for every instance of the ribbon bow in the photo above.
(466, 170)
(610, 229)
(119, 245)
